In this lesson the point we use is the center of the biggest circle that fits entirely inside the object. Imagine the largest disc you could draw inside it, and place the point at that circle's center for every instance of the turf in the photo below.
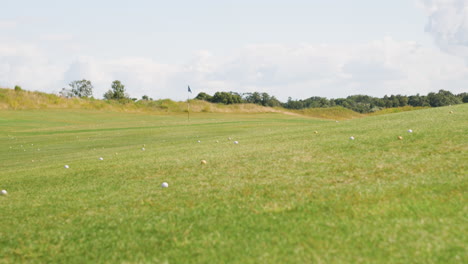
(284, 194)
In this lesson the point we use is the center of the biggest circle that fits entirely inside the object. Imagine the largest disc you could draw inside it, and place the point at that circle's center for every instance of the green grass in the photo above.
(282, 195)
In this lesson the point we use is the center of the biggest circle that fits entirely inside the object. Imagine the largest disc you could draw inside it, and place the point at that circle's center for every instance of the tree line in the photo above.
(358, 103)
(84, 89)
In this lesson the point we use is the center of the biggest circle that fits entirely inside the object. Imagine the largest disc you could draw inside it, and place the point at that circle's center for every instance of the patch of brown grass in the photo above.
(16, 100)
(397, 110)
(334, 113)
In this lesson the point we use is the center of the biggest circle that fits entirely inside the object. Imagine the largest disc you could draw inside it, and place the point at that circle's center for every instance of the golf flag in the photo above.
(188, 103)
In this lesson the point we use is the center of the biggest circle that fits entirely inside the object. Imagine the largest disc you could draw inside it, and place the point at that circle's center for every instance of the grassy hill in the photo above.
(283, 194)
(22, 100)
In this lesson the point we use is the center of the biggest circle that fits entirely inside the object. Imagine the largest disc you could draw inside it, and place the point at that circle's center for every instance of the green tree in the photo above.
(402, 100)
(67, 93)
(443, 98)
(117, 91)
(261, 99)
(109, 95)
(463, 97)
(294, 104)
(226, 98)
(204, 97)
(253, 98)
(272, 102)
(418, 100)
(315, 102)
(82, 88)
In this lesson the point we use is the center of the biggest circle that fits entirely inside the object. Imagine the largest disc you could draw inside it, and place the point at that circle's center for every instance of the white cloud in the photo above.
(378, 68)
(57, 37)
(448, 24)
(28, 66)
(141, 76)
(8, 24)
(381, 67)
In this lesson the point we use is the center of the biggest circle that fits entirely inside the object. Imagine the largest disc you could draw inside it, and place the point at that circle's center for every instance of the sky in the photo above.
(294, 48)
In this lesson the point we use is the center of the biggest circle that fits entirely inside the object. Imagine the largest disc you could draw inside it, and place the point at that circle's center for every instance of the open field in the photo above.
(284, 194)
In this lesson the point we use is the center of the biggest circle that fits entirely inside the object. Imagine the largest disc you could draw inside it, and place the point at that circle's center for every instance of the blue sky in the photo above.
(295, 48)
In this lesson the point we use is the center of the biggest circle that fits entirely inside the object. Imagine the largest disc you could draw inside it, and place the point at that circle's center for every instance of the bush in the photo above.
(18, 88)
(117, 92)
(82, 88)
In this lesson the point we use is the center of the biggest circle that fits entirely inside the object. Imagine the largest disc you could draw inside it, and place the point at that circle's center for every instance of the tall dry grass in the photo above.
(398, 110)
(17, 100)
(335, 113)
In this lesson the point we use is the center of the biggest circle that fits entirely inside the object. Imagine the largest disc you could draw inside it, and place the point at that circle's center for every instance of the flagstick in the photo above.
(188, 108)
(188, 103)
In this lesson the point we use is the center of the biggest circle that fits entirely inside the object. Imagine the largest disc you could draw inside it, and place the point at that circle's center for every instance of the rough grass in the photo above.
(22, 100)
(284, 194)
(398, 110)
(334, 113)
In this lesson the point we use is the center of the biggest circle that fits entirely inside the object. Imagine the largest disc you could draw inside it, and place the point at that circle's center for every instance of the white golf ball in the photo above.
(236, 142)
(164, 185)
(66, 166)
(198, 141)
(4, 192)
(101, 158)
(410, 131)
(352, 138)
(143, 149)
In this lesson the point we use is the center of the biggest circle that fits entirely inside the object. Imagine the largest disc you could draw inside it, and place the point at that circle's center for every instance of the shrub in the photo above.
(82, 88)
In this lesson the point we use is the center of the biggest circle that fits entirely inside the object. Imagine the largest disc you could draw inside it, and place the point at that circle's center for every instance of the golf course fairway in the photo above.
(283, 194)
